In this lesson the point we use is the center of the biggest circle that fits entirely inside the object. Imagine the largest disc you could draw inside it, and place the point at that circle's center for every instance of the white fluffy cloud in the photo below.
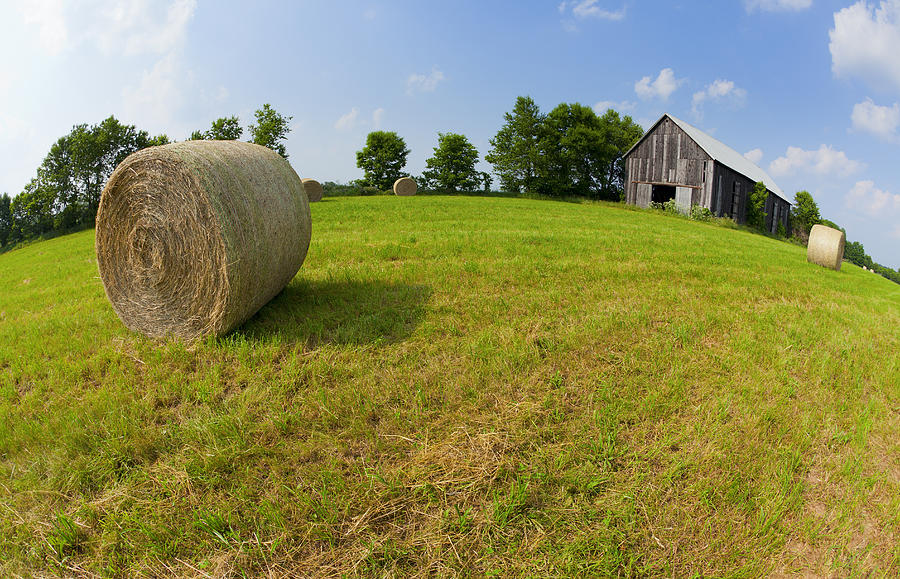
(754, 156)
(719, 90)
(822, 161)
(661, 88)
(377, 115)
(881, 121)
(424, 82)
(864, 43)
(864, 195)
(777, 5)
(583, 9)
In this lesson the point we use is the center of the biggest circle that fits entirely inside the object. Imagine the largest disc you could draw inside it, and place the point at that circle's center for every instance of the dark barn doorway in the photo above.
(662, 193)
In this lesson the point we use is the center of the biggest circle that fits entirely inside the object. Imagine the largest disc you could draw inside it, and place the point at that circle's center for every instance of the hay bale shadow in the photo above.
(340, 312)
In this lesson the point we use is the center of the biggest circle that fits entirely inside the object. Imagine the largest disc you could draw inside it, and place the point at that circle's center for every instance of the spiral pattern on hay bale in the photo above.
(194, 238)
(314, 190)
(405, 186)
(826, 247)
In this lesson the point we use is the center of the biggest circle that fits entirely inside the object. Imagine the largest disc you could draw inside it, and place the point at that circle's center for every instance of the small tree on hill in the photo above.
(452, 167)
(855, 253)
(271, 129)
(382, 159)
(516, 148)
(804, 214)
(6, 221)
(756, 206)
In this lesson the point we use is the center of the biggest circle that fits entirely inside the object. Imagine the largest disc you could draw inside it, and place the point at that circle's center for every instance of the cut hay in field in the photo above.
(405, 186)
(314, 190)
(826, 247)
(193, 238)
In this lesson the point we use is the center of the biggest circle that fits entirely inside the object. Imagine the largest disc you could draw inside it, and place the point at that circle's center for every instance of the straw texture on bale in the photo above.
(193, 238)
(314, 190)
(826, 247)
(405, 186)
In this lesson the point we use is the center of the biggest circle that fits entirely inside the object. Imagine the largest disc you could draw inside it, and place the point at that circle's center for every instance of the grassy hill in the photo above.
(459, 385)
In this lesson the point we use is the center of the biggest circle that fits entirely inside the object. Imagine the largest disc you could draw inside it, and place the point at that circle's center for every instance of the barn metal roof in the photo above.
(724, 154)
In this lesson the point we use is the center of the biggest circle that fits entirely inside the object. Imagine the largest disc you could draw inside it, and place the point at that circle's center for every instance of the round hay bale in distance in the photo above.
(193, 238)
(314, 190)
(405, 186)
(826, 247)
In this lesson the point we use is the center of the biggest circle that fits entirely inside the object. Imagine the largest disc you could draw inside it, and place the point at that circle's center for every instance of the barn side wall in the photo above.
(731, 191)
(777, 211)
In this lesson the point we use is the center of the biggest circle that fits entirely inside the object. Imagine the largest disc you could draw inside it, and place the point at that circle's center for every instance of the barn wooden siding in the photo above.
(669, 156)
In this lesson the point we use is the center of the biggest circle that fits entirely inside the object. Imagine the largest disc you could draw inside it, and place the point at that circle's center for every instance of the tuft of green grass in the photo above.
(463, 386)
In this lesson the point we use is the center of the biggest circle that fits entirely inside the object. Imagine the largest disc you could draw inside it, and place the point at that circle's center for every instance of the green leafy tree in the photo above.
(855, 253)
(79, 164)
(756, 206)
(575, 154)
(804, 214)
(619, 134)
(158, 140)
(32, 211)
(487, 180)
(225, 129)
(222, 129)
(452, 167)
(516, 153)
(382, 159)
(271, 129)
(6, 222)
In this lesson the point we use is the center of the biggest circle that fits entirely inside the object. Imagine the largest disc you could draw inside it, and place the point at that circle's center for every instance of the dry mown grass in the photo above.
(458, 386)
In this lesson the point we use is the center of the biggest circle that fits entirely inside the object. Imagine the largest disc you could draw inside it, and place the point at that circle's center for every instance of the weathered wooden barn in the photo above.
(674, 160)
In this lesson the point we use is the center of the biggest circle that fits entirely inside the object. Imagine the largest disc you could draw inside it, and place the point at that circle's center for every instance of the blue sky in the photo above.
(809, 89)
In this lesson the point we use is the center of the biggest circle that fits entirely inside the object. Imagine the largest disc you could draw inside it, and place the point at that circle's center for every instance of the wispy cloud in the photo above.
(583, 9)
(777, 5)
(424, 82)
(348, 121)
(620, 107)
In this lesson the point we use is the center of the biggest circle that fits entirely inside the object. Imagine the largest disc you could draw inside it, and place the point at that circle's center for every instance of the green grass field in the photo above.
(463, 386)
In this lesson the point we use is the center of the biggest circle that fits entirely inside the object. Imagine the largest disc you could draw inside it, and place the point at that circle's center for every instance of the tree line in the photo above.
(569, 152)
(65, 192)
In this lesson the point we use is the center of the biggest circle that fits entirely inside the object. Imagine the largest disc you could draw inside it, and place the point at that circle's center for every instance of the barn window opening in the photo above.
(663, 193)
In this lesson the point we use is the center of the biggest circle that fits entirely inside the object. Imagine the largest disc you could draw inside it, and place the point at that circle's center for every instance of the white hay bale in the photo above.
(405, 186)
(826, 247)
(193, 238)
(314, 190)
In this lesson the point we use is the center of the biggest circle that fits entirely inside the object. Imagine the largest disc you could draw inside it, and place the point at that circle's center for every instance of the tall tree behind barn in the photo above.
(675, 160)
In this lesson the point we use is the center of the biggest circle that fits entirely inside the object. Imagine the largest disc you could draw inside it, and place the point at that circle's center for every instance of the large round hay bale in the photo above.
(405, 186)
(314, 190)
(826, 247)
(193, 238)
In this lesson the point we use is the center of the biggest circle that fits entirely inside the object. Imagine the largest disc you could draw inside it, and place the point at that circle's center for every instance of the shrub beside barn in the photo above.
(674, 160)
